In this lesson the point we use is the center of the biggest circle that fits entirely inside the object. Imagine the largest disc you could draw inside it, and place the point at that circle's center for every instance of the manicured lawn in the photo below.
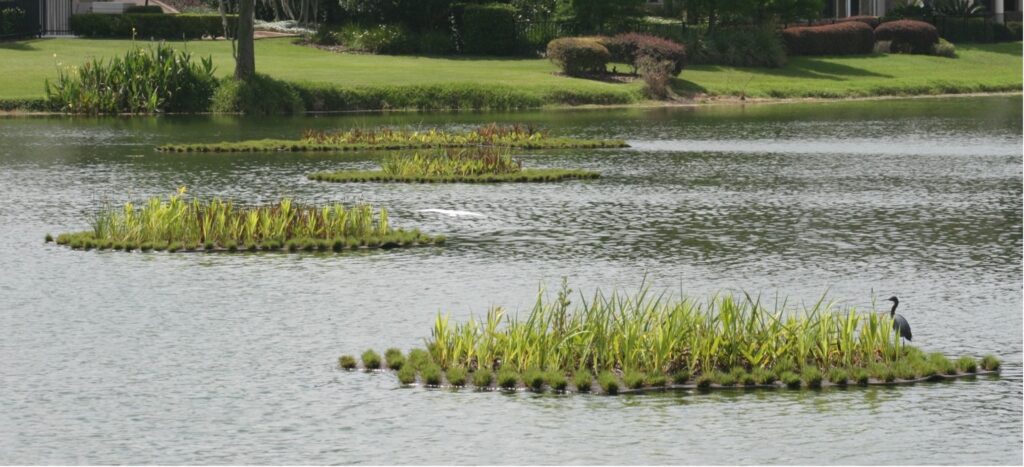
(991, 67)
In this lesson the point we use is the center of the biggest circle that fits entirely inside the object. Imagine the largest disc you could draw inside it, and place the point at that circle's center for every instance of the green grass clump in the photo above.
(790, 379)
(967, 364)
(838, 376)
(583, 380)
(48, 239)
(508, 378)
(680, 377)
(192, 224)
(742, 377)
(609, 382)
(407, 375)
(763, 376)
(705, 380)
(657, 380)
(487, 136)
(861, 376)
(556, 380)
(534, 379)
(482, 378)
(634, 379)
(942, 364)
(394, 358)
(418, 358)
(457, 376)
(431, 374)
(990, 363)
(371, 359)
(347, 362)
(725, 379)
(882, 372)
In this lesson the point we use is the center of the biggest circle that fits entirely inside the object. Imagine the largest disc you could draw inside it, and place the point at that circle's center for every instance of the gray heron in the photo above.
(899, 323)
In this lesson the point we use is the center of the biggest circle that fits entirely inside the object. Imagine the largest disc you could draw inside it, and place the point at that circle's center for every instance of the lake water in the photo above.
(108, 357)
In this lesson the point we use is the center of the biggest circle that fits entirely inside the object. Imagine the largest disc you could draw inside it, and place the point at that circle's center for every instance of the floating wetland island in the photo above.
(621, 343)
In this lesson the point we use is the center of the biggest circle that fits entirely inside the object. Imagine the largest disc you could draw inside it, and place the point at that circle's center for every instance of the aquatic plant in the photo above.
(347, 362)
(990, 363)
(967, 364)
(371, 359)
(680, 377)
(456, 376)
(657, 380)
(582, 380)
(523, 176)
(431, 374)
(534, 379)
(838, 376)
(180, 224)
(407, 375)
(482, 378)
(418, 358)
(812, 377)
(493, 135)
(942, 364)
(634, 379)
(608, 382)
(763, 376)
(394, 358)
(556, 380)
(790, 379)
(861, 376)
(724, 379)
(705, 380)
(508, 378)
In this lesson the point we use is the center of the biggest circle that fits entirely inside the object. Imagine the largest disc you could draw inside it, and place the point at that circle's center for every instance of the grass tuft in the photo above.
(790, 379)
(407, 375)
(634, 379)
(482, 378)
(990, 363)
(556, 380)
(609, 382)
(371, 360)
(431, 374)
(583, 380)
(967, 364)
(394, 358)
(347, 362)
(457, 376)
(534, 379)
(838, 376)
(508, 378)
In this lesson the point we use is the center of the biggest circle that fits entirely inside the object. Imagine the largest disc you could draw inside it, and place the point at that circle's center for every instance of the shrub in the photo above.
(150, 25)
(262, 95)
(944, 48)
(915, 36)
(142, 9)
(746, 46)
(630, 48)
(12, 20)
(847, 38)
(488, 29)
(579, 56)
(155, 79)
(1014, 31)
(872, 21)
(324, 35)
(657, 75)
(377, 39)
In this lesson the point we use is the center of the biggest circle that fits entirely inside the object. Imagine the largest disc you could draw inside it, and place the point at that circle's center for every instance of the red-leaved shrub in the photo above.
(906, 34)
(872, 21)
(849, 38)
(630, 47)
(579, 56)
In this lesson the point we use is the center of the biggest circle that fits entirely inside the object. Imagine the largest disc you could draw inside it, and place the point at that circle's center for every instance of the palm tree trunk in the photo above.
(245, 63)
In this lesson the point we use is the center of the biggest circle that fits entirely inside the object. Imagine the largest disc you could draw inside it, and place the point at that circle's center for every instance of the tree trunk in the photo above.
(245, 62)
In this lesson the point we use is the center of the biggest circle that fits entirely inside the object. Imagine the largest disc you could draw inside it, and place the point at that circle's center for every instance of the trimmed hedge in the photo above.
(908, 35)
(142, 9)
(579, 56)
(489, 29)
(846, 38)
(631, 47)
(747, 46)
(149, 25)
(872, 21)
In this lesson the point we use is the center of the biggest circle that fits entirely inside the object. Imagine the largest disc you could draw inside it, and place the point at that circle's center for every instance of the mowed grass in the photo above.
(980, 68)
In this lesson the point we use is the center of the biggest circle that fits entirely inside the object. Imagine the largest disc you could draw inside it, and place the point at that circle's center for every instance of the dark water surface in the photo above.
(171, 358)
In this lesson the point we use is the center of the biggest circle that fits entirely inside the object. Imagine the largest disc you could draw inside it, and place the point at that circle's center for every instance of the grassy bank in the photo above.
(330, 81)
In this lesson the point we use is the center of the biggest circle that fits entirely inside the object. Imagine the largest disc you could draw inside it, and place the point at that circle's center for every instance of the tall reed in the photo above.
(662, 334)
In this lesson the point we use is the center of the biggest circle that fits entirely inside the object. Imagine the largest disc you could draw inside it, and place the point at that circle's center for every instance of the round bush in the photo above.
(916, 36)
(630, 47)
(872, 21)
(848, 38)
(579, 56)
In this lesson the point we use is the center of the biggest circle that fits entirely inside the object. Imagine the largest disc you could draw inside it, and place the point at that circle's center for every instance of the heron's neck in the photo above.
(892, 313)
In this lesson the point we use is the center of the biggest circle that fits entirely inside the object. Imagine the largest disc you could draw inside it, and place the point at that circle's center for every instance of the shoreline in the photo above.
(692, 102)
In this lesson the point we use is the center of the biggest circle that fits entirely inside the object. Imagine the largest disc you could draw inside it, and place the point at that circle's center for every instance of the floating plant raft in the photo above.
(177, 224)
(507, 136)
(467, 165)
(622, 344)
